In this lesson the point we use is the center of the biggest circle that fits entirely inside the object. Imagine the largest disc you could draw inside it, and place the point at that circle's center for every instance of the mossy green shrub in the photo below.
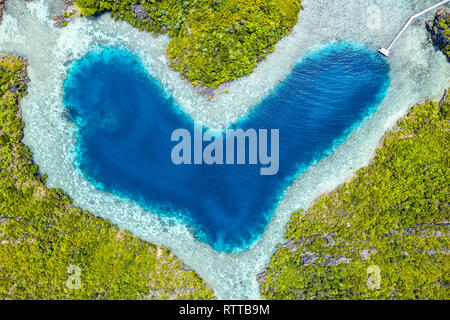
(43, 236)
(382, 235)
(212, 41)
(445, 25)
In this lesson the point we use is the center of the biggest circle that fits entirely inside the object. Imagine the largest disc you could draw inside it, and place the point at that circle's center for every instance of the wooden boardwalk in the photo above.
(386, 51)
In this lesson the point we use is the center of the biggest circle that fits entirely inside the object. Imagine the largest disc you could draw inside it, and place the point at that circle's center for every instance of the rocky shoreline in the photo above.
(70, 12)
(2, 7)
(211, 93)
(440, 31)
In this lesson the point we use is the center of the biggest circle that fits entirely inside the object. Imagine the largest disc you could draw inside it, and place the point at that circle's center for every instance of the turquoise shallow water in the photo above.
(125, 122)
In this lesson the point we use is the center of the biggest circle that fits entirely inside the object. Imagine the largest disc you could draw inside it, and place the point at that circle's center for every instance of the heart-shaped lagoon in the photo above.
(125, 125)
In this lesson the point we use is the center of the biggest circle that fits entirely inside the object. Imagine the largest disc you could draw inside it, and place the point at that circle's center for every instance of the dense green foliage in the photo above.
(212, 41)
(445, 25)
(42, 234)
(393, 215)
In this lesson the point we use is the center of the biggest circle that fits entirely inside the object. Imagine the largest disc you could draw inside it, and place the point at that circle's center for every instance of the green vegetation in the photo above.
(42, 234)
(393, 215)
(445, 25)
(212, 41)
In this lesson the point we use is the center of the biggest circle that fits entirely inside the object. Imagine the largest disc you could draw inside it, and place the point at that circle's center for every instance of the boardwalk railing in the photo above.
(386, 51)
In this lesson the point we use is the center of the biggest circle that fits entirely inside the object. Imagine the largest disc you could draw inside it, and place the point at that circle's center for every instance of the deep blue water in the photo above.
(125, 121)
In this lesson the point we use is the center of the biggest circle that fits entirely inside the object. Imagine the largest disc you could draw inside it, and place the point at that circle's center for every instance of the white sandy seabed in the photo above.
(418, 71)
